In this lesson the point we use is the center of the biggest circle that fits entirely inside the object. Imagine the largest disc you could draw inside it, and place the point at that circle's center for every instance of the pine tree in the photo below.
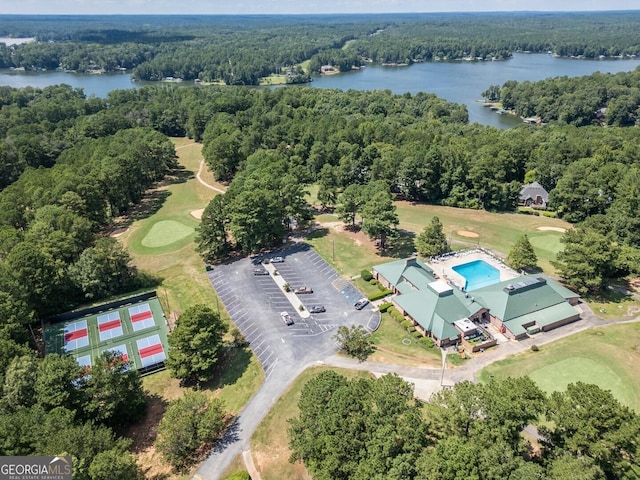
(432, 241)
(522, 254)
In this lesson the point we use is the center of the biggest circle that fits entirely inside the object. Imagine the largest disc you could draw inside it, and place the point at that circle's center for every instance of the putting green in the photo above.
(166, 232)
(558, 375)
(549, 242)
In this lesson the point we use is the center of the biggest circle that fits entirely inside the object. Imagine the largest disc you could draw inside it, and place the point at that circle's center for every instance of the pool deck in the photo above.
(443, 267)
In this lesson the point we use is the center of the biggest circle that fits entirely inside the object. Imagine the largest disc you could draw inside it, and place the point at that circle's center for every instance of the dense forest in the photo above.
(363, 428)
(597, 99)
(418, 146)
(243, 49)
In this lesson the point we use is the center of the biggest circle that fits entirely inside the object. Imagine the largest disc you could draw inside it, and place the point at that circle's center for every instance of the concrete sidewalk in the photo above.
(292, 297)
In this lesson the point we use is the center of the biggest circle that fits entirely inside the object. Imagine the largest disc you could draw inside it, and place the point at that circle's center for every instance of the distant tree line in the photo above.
(375, 428)
(240, 50)
(597, 99)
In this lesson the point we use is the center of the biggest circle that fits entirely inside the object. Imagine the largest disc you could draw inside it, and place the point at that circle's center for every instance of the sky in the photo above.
(89, 7)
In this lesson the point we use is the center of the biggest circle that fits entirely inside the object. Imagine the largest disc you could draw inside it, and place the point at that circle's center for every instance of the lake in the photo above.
(460, 82)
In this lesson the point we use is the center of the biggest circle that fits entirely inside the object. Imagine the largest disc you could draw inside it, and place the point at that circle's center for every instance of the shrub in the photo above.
(406, 323)
(381, 287)
(378, 296)
(301, 308)
(286, 287)
(366, 275)
(418, 334)
(242, 475)
(411, 329)
(397, 316)
(428, 342)
(534, 348)
(373, 281)
(550, 214)
(384, 307)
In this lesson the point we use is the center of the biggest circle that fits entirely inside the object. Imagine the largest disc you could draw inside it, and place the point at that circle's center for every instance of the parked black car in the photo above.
(317, 309)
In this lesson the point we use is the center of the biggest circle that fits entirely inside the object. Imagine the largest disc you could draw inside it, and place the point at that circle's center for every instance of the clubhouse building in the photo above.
(517, 307)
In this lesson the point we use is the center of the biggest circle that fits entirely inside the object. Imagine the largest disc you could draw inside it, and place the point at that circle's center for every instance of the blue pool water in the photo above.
(477, 274)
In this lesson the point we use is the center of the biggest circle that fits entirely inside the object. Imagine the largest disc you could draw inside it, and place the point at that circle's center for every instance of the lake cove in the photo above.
(460, 81)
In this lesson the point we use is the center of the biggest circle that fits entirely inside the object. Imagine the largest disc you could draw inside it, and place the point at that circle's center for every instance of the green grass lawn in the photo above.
(343, 253)
(497, 231)
(166, 232)
(270, 441)
(607, 356)
(392, 336)
(612, 304)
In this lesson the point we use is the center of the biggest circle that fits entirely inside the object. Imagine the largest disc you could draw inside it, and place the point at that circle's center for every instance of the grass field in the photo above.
(162, 243)
(270, 442)
(391, 336)
(497, 231)
(343, 253)
(607, 356)
(165, 233)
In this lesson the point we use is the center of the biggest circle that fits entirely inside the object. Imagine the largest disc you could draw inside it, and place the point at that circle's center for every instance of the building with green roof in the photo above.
(528, 304)
(517, 307)
(433, 305)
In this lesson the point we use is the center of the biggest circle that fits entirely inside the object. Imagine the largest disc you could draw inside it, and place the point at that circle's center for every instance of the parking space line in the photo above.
(256, 347)
(246, 332)
(266, 359)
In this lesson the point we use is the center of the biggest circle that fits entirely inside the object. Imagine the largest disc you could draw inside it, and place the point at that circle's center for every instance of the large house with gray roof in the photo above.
(445, 312)
(534, 195)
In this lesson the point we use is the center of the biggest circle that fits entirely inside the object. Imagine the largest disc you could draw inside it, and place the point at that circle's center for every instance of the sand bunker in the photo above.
(118, 231)
(197, 213)
(552, 229)
(467, 233)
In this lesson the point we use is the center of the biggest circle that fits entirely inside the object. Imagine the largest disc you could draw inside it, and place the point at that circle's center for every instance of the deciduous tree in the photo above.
(354, 341)
(195, 344)
(189, 423)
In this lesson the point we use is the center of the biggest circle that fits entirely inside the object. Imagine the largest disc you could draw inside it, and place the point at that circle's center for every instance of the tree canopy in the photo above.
(189, 423)
(366, 428)
(195, 344)
(432, 240)
(522, 254)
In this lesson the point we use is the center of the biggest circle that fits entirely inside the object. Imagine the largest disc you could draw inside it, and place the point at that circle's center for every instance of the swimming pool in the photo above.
(477, 274)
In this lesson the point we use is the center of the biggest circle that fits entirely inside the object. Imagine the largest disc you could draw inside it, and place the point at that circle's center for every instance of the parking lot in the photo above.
(255, 302)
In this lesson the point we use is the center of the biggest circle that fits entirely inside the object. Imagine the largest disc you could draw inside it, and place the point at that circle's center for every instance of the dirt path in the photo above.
(199, 174)
(199, 177)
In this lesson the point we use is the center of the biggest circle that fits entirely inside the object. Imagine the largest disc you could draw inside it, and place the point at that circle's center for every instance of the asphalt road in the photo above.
(254, 303)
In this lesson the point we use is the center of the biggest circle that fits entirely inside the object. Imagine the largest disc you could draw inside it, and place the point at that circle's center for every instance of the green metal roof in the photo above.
(394, 271)
(435, 313)
(541, 318)
(522, 300)
(527, 299)
(561, 289)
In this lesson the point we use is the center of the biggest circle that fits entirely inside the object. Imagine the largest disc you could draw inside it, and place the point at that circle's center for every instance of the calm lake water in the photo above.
(460, 82)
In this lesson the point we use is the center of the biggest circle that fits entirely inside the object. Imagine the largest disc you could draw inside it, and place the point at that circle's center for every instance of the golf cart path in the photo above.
(199, 174)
